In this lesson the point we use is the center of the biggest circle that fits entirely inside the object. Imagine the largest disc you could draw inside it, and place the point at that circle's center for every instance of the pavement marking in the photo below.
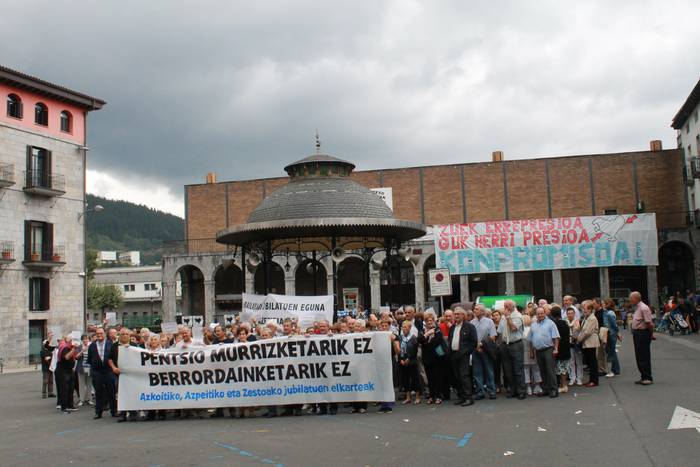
(465, 440)
(684, 418)
(461, 442)
(61, 433)
(243, 453)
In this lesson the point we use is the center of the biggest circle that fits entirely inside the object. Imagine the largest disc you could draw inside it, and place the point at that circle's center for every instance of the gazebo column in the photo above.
(420, 289)
(375, 290)
(289, 285)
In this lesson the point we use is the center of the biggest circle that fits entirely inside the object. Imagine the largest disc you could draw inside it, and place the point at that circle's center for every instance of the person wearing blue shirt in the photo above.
(610, 322)
(544, 339)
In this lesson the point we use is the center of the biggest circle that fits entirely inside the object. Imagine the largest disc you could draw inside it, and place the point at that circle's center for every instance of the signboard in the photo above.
(440, 282)
(542, 244)
(169, 327)
(386, 195)
(350, 296)
(305, 309)
(187, 320)
(111, 317)
(229, 320)
(297, 370)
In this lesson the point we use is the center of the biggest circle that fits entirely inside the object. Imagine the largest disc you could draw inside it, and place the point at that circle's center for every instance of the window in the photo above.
(66, 121)
(697, 144)
(38, 241)
(38, 294)
(38, 167)
(687, 128)
(611, 212)
(14, 106)
(41, 114)
(150, 287)
(695, 115)
(129, 287)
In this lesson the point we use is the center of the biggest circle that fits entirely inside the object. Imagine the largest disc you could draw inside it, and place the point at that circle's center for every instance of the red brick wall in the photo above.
(405, 184)
(442, 194)
(527, 189)
(484, 184)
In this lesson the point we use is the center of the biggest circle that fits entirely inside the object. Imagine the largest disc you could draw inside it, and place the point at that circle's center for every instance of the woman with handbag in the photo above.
(408, 369)
(589, 340)
(576, 365)
(434, 355)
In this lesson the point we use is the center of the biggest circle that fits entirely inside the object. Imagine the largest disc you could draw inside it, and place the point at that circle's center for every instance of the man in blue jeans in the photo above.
(482, 363)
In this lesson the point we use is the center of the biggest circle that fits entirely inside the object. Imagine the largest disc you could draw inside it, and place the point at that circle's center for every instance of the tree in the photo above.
(104, 297)
(91, 263)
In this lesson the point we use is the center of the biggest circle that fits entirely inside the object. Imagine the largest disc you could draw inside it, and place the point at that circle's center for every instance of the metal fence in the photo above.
(44, 179)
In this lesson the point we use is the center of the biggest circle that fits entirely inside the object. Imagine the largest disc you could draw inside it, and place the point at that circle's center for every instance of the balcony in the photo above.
(7, 252)
(47, 258)
(7, 175)
(695, 166)
(42, 183)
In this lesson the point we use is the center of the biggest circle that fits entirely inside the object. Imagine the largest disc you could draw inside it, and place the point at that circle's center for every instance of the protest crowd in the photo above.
(468, 354)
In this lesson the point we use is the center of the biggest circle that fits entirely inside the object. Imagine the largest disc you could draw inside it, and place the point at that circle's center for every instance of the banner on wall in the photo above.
(542, 244)
(306, 309)
(280, 371)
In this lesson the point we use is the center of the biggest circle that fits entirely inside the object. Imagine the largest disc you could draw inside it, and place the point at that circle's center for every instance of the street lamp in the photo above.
(96, 208)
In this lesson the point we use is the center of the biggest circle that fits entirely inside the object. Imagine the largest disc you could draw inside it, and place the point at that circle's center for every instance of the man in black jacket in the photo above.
(102, 376)
(462, 342)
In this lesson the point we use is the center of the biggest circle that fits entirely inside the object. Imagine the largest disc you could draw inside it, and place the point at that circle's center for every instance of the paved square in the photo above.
(619, 424)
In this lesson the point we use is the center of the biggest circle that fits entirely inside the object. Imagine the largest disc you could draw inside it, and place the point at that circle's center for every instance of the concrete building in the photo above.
(141, 288)
(539, 188)
(43, 138)
(123, 258)
(687, 125)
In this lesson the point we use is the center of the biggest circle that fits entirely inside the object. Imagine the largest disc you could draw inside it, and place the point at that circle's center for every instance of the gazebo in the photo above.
(321, 212)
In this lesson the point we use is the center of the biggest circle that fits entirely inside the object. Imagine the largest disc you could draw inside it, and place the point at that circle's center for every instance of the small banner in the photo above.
(306, 309)
(297, 370)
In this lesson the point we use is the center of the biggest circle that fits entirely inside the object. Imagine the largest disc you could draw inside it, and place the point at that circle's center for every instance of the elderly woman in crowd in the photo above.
(434, 350)
(154, 345)
(408, 369)
(576, 363)
(588, 338)
(563, 357)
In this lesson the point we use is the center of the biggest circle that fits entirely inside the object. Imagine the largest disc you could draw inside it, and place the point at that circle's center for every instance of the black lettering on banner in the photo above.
(304, 371)
(362, 345)
(325, 347)
(312, 348)
(174, 380)
(340, 349)
(243, 352)
(255, 352)
(185, 378)
(340, 368)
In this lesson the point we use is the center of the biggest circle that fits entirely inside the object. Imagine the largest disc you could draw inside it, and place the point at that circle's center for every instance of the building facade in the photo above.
(687, 125)
(540, 188)
(43, 140)
(141, 288)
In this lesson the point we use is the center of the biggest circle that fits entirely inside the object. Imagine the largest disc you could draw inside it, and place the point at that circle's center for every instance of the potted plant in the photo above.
(56, 257)
(35, 256)
(6, 254)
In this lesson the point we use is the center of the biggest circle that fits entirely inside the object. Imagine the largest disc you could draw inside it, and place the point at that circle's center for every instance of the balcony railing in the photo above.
(195, 246)
(7, 251)
(41, 182)
(7, 175)
(48, 256)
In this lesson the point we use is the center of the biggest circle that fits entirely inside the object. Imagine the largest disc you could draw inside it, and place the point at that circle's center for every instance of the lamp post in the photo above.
(96, 208)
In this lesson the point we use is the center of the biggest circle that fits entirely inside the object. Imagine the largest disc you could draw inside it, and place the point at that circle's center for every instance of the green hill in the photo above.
(124, 226)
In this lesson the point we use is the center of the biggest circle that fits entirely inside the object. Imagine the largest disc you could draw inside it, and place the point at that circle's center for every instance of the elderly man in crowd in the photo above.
(544, 337)
(511, 331)
(482, 362)
(642, 331)
(569, 301)
(461, 343)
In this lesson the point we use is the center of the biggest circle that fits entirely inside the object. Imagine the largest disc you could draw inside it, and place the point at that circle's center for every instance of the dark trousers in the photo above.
(46, 382)
(66, 383)
(103, 382)
(590, 359)
(450, 382)
(513, 361)
(463, 376)
(642, 352)
(408, 375)
(436, 379)
(546, 363)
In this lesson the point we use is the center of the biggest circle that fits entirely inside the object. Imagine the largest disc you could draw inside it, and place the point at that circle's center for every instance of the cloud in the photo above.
(140, 191)
(239, 88)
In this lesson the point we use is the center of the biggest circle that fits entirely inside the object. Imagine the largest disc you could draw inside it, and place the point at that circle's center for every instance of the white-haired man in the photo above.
(511, 330)
(642, 329)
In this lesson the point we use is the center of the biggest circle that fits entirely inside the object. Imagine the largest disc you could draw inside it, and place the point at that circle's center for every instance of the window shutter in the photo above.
(27, 239)
(48, 180)
(48, 242)
(31, 294)
(28, 181)
(45, 294)
(20, 109)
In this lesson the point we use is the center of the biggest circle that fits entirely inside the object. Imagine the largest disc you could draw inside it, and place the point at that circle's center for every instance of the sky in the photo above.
(239, 88)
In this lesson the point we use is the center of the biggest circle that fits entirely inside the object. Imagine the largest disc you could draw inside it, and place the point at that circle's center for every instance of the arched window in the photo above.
(14, 106)
(41, 114)
(66, 121)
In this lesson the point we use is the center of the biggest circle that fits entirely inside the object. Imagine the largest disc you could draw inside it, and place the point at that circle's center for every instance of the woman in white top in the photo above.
(576, 365)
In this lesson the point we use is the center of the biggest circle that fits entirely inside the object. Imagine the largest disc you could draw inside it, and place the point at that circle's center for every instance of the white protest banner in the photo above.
(111, 317)
(540, 244)
(280, 371)
(279, 307)
(75, 336)
(169, 327)
(197, 333)
(187, 320)
(197, 321)
(56, 334)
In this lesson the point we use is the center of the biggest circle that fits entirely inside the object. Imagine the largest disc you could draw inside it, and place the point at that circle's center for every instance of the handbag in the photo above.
(441, 348)
(603, 335)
